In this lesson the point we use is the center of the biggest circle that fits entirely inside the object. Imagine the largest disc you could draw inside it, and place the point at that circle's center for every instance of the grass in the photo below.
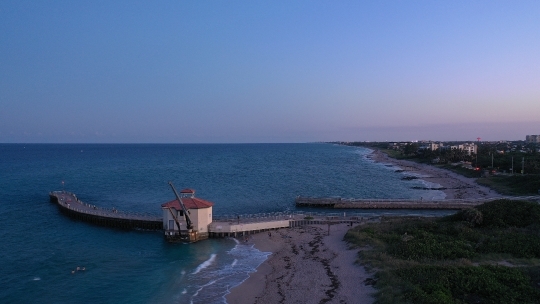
(393, 153)
(462, 171)
(513, 184)
(454, 259)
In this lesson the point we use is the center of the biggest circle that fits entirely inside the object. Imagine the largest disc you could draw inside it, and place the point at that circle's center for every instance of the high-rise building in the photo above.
(532, 138)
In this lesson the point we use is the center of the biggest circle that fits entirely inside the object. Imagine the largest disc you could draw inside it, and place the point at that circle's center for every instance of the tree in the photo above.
(410, 148)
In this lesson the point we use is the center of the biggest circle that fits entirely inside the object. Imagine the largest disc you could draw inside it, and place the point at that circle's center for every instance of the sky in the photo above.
(268, 71)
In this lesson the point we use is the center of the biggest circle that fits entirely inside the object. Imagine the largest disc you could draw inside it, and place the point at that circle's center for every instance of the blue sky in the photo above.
(272, 71)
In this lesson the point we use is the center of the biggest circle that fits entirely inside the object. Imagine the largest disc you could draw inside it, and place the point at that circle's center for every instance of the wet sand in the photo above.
(457, 186)
(306, 266)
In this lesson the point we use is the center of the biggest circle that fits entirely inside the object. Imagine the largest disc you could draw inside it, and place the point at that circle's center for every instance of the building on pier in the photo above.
(199, 213)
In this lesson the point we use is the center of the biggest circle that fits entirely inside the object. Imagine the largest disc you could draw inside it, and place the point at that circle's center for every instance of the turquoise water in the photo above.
(42, 247)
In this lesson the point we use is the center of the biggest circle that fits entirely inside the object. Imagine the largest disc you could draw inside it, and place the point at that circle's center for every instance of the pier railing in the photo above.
(292, 215)
(415, 200)
(362, 203)
(70, 201)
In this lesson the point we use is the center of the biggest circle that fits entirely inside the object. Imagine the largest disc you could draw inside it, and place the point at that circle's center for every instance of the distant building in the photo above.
(435, 146)
(467, 147)
(532, 138)
(431, 146)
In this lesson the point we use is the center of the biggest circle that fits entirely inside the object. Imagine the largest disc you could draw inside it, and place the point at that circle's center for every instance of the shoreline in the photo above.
(456, 186)
(306, 266)
(306, 257)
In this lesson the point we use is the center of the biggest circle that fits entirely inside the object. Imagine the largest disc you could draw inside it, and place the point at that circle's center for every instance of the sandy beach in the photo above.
(457, 186)
(306, 266)
(309, 266)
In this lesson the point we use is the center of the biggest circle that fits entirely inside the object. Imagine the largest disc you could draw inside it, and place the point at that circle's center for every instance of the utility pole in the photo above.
(512, 166)
(477, 146)
(522, 165)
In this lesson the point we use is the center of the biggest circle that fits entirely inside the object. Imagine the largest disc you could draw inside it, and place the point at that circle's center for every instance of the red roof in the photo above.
(189, 202)
(187, 190)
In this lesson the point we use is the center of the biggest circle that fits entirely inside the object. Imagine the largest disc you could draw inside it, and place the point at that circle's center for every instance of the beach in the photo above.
(456, 186)
(309, 266)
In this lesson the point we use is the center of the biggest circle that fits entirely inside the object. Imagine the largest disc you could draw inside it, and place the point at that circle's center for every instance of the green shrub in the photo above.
(520, 244)
(506, 213)
(452, 284)
(423, 260)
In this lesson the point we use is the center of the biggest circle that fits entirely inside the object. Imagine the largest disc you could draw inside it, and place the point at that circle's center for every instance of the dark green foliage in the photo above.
(428, 239)
(506, 213)
(534, 274)
(513, 184)
(431, 246)
(452, 284)
(521, 244)
(473, 217)
(424, 260)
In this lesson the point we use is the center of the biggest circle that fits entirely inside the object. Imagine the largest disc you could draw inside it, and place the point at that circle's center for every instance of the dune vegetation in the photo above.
(487, 254)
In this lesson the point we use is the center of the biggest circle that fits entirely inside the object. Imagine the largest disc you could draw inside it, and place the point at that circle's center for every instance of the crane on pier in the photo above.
(184, 210)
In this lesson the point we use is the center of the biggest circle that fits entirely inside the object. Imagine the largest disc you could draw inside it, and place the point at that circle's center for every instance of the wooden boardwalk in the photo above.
(73, 207)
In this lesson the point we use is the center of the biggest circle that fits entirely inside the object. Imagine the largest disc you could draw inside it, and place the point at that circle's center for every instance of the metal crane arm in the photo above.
(184, 209)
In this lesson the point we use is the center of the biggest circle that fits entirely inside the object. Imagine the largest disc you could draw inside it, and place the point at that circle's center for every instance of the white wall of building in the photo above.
(200, 219)
(235, 227)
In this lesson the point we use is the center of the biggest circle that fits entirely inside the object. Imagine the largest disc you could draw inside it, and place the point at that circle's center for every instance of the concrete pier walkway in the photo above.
(73, 207)
(445, 204)
(245, 224)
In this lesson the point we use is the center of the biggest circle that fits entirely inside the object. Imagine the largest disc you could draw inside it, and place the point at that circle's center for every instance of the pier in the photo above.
(353, 203)
(70, 205)
(222, 226)
(231, 226)
(245, 224)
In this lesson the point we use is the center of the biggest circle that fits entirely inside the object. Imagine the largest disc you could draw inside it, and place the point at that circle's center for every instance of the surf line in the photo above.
(205, 264)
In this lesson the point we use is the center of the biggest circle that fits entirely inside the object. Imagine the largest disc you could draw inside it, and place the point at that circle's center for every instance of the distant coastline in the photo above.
(306, 257)
(455, 186)
(298, 254)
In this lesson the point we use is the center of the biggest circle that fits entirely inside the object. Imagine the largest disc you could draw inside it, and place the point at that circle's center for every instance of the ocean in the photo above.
(41, 247)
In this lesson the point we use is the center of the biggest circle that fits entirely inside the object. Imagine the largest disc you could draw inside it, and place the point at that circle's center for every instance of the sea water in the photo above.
(42, 248)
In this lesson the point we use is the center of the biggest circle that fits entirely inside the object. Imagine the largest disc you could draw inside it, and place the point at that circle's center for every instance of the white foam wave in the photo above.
(432, 194)
(205, 264)
(212, 284)
(201, 288)
(36, 279)
(419, 175)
